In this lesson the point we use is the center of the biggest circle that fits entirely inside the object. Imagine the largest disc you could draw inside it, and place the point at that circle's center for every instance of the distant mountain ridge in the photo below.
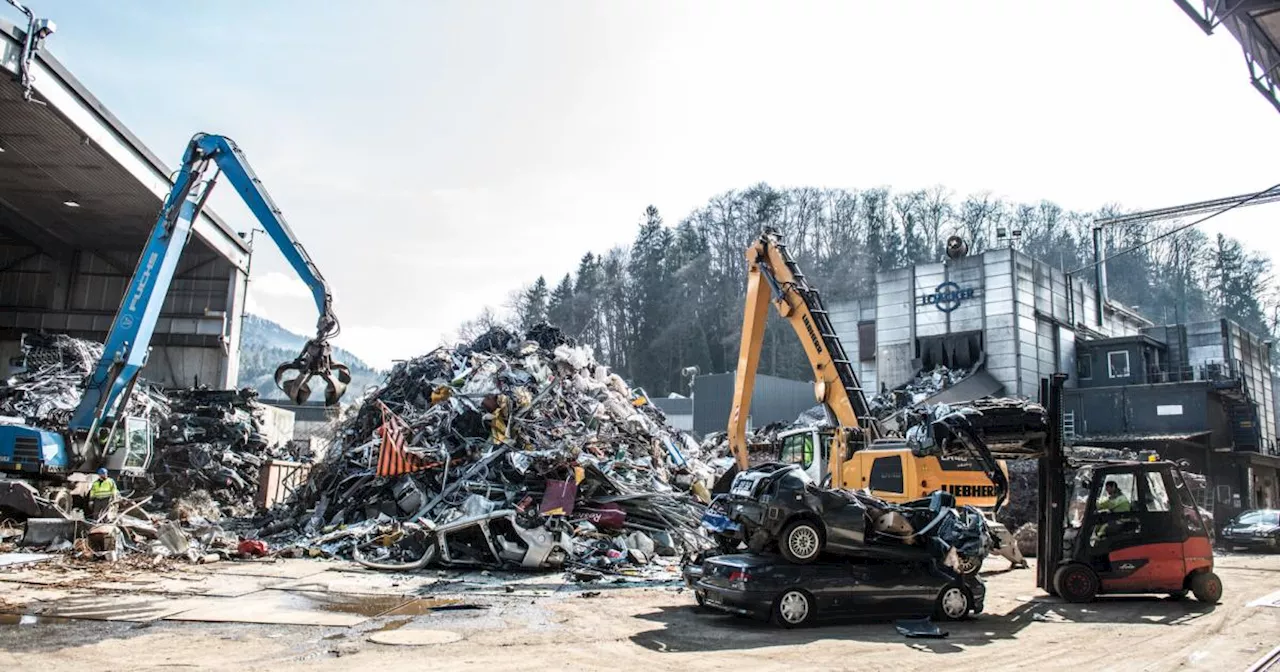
(264, 345)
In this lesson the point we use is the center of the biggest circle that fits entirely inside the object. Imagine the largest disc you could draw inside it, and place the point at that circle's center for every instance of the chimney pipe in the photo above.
(1099, 274)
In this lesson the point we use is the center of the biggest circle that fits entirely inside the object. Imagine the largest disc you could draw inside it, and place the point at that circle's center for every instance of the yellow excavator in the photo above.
(856, 453)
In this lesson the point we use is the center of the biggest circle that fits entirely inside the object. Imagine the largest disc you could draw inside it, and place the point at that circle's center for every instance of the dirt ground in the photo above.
(545, 622)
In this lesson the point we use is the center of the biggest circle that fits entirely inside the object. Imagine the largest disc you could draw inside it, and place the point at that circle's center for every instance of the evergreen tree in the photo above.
(533, 304)
(560, 305)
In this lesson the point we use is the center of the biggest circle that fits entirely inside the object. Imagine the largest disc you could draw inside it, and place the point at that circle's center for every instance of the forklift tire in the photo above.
(1207, 587)
(1076, 583)
(801, 542)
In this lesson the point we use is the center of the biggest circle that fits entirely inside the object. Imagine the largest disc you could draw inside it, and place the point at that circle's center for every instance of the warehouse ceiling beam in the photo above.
(54, 85)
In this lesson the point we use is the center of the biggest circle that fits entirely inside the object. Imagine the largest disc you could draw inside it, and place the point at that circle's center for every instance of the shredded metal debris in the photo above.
(503, 452)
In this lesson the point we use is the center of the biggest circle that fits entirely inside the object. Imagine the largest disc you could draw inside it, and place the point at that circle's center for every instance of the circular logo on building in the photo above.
(947, 296)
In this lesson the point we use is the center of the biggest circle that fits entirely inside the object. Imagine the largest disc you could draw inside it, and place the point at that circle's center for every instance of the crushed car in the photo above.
(769, 587)
(780, 506)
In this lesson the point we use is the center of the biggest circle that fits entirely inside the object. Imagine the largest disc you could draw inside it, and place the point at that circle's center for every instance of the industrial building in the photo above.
(1014, 318)
(79, 194)
(1198, 392)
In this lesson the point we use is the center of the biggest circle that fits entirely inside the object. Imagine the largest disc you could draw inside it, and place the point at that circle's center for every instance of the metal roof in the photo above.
(73, 149)
(1256, 26)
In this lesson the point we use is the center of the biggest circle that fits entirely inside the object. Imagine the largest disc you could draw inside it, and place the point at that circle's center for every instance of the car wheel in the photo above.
(700, 597)
(801, 542)
(1178, 595)
(1207, 587)
(953, 604)
(969, 566)
(793, 608)
(1076, 583)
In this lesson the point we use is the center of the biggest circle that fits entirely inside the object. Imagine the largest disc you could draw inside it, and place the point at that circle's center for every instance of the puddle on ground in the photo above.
(337, 603)
(29, 619)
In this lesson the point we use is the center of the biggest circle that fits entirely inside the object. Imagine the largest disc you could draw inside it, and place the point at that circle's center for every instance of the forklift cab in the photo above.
(1134, 527)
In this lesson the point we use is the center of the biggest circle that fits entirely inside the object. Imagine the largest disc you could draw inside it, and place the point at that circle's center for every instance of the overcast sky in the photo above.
(434, 155)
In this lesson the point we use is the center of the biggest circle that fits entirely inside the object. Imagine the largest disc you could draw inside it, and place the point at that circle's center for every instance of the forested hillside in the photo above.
(673, 298)
(264, 345)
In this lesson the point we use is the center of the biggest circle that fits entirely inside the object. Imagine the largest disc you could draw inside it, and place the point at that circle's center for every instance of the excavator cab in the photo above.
(1134, 527)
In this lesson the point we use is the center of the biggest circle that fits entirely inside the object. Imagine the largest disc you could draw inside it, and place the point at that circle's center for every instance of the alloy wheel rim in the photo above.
(794, 607)
(803, 542)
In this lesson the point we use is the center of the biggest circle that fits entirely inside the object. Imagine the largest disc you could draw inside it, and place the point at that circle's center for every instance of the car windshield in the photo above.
(1259, 518)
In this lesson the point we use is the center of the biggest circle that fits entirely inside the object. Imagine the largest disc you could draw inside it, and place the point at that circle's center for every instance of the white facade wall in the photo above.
(1027, 311)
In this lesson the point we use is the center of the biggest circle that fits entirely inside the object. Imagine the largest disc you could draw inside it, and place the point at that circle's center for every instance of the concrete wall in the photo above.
(845, 319)
(197, 332)
(774, 400)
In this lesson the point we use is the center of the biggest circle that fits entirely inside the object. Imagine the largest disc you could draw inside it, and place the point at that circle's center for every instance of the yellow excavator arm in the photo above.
(773, 277)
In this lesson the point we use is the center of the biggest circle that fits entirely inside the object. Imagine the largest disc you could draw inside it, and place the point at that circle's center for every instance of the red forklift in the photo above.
(1128, 527)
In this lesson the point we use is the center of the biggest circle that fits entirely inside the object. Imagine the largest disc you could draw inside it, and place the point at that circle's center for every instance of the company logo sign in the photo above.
(948, 296)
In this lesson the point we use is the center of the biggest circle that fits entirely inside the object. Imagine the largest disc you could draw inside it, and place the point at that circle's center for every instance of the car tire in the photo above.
(794, 608)
(801, 542)
(1178, 595)
(969, 566)
(954, 603)
(701, 598)
(1076, 583)
(1207, 587)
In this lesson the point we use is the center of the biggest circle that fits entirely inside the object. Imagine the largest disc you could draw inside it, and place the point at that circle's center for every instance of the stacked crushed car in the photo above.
(779, 508)
(504, 452)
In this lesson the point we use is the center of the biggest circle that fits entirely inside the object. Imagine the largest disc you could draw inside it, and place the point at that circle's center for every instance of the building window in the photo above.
(1084, 366)
(1118, 364)
(886, 474)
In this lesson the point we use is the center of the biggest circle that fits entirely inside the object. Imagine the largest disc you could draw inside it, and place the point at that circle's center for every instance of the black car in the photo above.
(777, 505)
(1256, 529)
(768, 587)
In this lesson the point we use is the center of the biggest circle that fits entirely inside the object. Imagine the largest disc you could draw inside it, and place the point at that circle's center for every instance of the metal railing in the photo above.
(1216, 371)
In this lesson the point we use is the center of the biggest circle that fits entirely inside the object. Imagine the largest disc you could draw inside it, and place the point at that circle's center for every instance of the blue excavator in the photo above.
(37, 465)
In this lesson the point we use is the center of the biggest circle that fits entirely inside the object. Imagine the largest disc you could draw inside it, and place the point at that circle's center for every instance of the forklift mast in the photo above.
(1052, 497)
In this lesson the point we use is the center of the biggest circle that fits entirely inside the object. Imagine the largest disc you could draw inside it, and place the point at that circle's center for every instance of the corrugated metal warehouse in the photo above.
(78, 195)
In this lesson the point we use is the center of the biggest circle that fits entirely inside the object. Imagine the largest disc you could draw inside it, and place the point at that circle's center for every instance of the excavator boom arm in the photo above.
(125, 351)
(773, 277)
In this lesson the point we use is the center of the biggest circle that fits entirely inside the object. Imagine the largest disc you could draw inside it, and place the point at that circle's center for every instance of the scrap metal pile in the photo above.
(209, 444)
(504, 452)
(47, 387)
(917, 390)
(213, 441)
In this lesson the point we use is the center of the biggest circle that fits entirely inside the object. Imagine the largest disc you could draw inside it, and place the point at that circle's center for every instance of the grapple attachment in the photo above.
(316, 360)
